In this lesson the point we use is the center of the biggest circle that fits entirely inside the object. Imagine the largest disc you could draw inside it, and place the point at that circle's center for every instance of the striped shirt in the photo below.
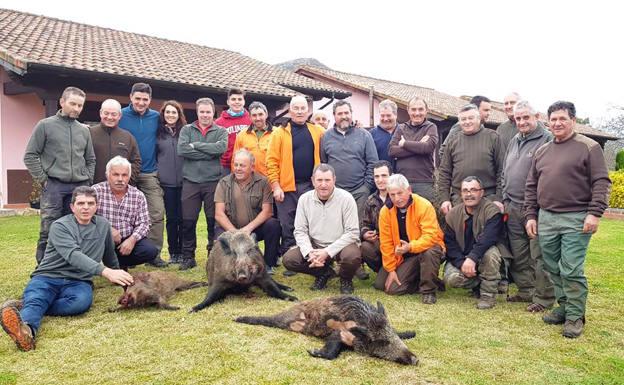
(129, 216)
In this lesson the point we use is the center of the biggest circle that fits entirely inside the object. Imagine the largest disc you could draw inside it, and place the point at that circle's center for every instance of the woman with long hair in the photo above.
(170, 173)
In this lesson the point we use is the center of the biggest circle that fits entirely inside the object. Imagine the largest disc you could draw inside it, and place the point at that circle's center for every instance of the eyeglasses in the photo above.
(471, 191)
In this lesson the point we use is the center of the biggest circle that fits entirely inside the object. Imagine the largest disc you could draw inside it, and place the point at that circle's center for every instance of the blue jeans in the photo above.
(54, 296)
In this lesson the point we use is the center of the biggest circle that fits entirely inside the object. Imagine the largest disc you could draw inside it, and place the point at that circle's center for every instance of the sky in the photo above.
(544, 50)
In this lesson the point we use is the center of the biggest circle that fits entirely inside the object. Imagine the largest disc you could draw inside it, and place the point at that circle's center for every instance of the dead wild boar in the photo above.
(344, 322)
(234, 265)
(154, 288)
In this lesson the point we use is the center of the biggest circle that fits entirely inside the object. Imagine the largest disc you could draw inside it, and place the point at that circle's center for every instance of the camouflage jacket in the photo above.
(370, 219)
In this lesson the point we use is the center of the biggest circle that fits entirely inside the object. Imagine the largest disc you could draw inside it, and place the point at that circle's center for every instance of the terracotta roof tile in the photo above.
(439, 103)
(31, 39)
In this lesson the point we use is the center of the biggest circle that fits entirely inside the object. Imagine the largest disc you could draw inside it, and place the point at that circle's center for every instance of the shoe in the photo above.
(503, 287)
(486, 302)
(553, 318)
(17, 303)
(188, 262)
(573, 329)
(16, 328)
(320, 281)
(429, 298)
(175, 258)
(517, 298)
(361, 273)
(346, 286)
(535, 308)
(288, 273)
(157, 262)
(475, 293)
(270, 270)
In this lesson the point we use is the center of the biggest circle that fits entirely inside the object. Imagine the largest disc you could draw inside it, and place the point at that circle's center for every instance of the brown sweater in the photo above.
(110, 142)
(481, 155)
(415, 159)
(568, 176)
(507, 131)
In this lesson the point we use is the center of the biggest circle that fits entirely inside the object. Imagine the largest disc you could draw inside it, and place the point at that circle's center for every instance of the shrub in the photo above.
(619, 161)
(616, 200)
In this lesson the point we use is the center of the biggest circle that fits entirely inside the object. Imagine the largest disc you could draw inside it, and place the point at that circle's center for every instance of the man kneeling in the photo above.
(125, 207)
(471, 234)
(411, 243)
(326, 229)
(61, 284)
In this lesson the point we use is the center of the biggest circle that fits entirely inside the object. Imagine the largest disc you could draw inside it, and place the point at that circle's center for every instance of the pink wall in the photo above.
(18, 116)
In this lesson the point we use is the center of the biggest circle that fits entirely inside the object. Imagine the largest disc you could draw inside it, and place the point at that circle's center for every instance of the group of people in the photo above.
(344, 196)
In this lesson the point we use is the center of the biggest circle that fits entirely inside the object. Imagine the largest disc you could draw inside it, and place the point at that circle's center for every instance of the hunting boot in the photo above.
(175, 258)
(188, 262)
(556, 317)
(573, 329)
(15, 327)
(346, 286)
(158, 262)
(486, 301)
(320, 281)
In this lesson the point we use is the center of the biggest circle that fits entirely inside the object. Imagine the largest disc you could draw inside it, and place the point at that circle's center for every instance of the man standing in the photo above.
(235, 119)
(61, 285)
(59, 155)
(256, 137)
(485, 109)
(369, 223)
(201, 144)
(475, 151)
(293, 154)
(124, 206)
(351, 152)
(326, 229)
(411, 243)
(413, 146)
(320, 119)
(244, 201)
(566, 191)
(508, 129)
(142, 122)
(109, 141)
(526, 267)
(473, 255)
(382, 133)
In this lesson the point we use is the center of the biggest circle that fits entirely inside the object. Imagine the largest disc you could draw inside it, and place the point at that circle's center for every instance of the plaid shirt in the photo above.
(129, 216)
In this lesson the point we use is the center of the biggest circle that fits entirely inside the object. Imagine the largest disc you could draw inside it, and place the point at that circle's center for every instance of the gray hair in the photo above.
(298, 98)
(208, 101)
(247, 153)
(387, 103)
(118, 161)
(340, 103)
(112, 103)
(471, 178)
(256, 105)
(469, 107)
(524, 104)
(513, 93)
(397, 181)
(323, 167)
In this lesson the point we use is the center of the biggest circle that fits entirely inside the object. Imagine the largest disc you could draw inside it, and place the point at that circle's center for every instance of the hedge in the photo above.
(616, 200)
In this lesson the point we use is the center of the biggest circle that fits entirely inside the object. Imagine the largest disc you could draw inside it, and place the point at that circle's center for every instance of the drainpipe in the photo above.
(371, 98)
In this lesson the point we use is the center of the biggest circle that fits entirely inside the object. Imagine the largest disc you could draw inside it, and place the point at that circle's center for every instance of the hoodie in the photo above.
(233, 125)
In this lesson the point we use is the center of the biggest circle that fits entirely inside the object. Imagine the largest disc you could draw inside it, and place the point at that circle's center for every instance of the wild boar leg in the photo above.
(332, 348)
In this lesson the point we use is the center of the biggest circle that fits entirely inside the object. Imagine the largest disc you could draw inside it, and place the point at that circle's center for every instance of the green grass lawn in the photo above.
(456, 343)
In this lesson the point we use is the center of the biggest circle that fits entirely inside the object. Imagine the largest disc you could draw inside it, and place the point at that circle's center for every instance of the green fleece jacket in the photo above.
(202, 154)
(60, 147)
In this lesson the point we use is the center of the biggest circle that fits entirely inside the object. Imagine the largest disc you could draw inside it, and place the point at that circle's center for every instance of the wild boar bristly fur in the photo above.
(234, 265)
(154, 288)
(345, 321)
